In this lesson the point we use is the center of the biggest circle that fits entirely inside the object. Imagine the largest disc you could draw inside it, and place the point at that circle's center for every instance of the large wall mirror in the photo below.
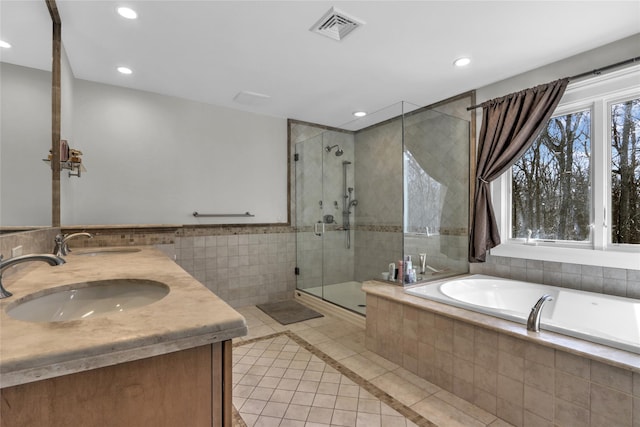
(25, 102)
(150, 159)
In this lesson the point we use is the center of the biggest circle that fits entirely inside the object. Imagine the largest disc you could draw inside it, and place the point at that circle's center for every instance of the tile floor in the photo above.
(318, 373)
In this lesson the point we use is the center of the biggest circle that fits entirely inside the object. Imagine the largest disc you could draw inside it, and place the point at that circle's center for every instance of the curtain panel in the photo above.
(509, 126)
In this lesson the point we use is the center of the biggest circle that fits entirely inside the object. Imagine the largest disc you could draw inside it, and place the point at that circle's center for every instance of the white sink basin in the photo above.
(106, 251)
(87, 299)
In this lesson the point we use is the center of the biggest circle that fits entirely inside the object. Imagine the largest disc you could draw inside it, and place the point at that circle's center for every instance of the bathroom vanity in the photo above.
(166, 363)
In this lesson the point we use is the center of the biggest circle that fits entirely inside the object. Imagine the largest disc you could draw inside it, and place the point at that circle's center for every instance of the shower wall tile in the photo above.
(444, 252)
(374, 251)
(378, 175)
(605, 280)
(242, 269)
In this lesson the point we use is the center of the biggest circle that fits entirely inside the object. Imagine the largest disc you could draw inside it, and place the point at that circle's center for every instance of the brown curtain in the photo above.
(509, 126)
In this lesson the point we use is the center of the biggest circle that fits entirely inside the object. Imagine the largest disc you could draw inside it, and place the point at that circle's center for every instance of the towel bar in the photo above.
(246, 214)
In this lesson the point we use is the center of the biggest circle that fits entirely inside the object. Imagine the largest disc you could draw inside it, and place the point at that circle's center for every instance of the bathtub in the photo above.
(603, 319)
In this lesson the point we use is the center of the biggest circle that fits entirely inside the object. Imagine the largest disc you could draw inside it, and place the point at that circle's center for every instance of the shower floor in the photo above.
(346, 294)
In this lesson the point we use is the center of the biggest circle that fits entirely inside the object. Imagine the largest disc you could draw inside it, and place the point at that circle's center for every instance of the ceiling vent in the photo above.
(252, 98)
(336, 24)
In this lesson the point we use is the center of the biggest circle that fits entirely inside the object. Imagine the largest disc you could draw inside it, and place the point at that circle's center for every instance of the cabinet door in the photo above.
(174, 389)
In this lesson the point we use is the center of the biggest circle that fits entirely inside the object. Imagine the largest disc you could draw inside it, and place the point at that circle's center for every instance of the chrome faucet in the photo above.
(62, 248)
(51, 259)
(533, 322)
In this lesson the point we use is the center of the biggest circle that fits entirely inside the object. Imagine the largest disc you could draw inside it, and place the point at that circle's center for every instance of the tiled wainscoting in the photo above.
(242, 264)
(242, 269)
(520, 381)
(604, 280)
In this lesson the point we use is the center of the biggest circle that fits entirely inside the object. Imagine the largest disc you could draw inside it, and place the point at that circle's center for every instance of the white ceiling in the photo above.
(209, 51)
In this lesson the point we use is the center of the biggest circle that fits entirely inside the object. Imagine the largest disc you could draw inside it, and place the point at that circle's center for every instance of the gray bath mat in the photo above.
(287, 312)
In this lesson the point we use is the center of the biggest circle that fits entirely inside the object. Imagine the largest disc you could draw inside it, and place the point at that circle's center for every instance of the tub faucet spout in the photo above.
(533, 322)
(50, 259)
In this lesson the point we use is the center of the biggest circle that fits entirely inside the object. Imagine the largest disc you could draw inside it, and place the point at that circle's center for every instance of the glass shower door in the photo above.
(309, 212)
(325, 214)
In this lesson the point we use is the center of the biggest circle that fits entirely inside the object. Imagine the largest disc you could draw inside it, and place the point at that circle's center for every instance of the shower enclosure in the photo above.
(377, 190)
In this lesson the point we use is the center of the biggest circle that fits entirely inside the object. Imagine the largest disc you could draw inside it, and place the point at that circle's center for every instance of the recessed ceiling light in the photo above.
(128, 13)
(125, 70)
(360, 114)
(462, 62)
(5, 44)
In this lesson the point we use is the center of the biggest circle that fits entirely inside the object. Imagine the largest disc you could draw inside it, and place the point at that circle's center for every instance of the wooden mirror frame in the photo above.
(56, 106)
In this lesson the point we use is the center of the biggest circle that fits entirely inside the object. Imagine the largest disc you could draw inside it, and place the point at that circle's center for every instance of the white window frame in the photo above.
(596, 94)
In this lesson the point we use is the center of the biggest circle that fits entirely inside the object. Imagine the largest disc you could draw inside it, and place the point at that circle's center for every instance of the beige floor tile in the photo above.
(443, 414)
(312, 336)
(335, 350)
(292, 423)
(391, 421)
(253, 406)
(344, 418)
(417, 381)
(379, 360)
(371, 420)
(275, 409)
(264, 421)
(303, 398)
(328, 388)
(349, 390)
(354, 341)
(324, 401)
(468, 408)
(369, 406)
(400, 389)
(282, 396)
(319, 415)
(249, 419)
(363, 366)
(297, 412)
(346, 403)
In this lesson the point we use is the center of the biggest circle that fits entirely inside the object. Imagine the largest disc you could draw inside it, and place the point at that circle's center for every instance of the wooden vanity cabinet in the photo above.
(190, 387)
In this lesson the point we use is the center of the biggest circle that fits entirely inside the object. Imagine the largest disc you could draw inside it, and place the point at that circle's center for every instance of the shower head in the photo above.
(339, 151)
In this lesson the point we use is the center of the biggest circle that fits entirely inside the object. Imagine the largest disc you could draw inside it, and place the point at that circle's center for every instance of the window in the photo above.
(550, 184)
(578, 187)
(625, 172)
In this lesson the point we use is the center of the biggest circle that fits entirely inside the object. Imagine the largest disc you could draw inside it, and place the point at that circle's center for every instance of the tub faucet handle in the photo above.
(533, 322)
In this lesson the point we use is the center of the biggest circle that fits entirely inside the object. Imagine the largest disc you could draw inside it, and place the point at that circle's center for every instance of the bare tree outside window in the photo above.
(551, 183)
(625, 172)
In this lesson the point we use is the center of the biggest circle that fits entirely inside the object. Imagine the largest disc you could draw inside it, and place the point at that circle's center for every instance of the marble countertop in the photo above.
(188, 316)
(609, 355)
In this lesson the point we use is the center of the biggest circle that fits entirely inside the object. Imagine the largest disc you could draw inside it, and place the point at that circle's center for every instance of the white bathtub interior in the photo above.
(603, 319)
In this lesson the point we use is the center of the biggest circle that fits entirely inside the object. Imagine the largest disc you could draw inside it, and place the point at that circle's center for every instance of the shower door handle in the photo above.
(315, 228)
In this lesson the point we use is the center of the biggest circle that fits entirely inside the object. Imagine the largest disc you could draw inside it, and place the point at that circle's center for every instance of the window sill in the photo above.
(602, 258)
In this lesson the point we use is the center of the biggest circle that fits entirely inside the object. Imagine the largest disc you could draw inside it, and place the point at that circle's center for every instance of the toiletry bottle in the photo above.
(408, 265)
(400, 271)
(392, 271)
